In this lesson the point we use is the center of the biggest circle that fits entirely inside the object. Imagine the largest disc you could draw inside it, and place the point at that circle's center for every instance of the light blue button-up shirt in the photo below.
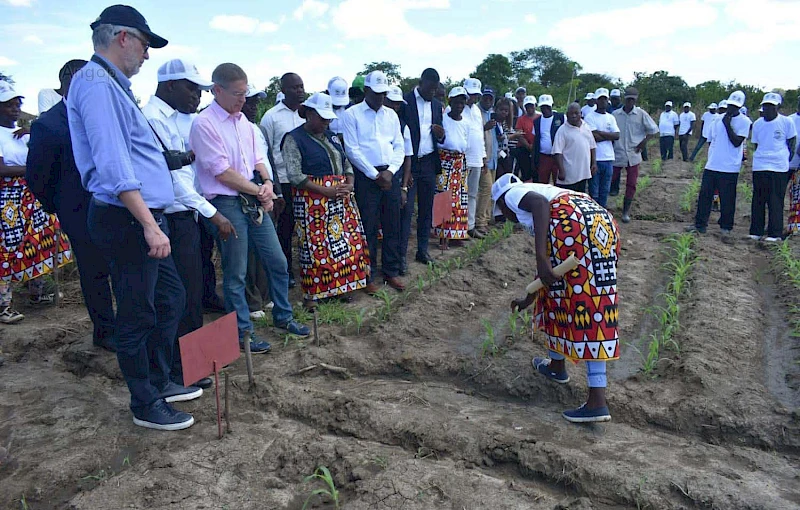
(115, 149)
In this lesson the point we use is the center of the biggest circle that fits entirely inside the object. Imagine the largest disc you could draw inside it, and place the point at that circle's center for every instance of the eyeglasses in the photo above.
(237, 95)
(145, 42)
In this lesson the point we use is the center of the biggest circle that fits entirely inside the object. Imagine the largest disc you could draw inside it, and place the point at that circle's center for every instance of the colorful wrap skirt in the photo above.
(578, 314)
(453, 180)
(794, 204)
(28, 234)
(333, 250)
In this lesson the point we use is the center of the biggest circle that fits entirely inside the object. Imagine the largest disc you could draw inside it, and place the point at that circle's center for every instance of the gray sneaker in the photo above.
(727, 236)
(10, 316)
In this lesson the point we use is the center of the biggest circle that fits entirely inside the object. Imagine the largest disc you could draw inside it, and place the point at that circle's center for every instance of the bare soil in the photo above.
(424, 417)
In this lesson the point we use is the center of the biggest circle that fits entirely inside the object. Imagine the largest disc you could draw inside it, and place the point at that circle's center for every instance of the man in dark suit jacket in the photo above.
(55, 181)
(422, 113)
(544, 163)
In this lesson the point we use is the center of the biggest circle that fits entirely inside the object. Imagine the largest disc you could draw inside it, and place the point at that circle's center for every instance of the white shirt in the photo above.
(13, 151)
(708, 119)
(722, 155)
(686, 120)
(667, 122)
(336, 124)
(772, 153)
(795, 163)
(373, 139)
(262, 142)
(476, 149)
(516, 193)
(575, 145)
(587, 109)
(48, 98)
(459, 134)
(184, 121)
(607, 123)
(164, 120)
(408, 145)
(425, 121)
(545, 141)
(278, 121)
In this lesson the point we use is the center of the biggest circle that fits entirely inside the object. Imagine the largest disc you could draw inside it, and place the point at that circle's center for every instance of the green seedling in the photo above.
(322, 473)
(699, 166)
(513, 325)
(332, 312)
(421, 284)
(746, 190)
(689, 197)
(656, 167)
(381, 461)
(388, 300)
(289, 337)
(358, 319)
(489, 345)
(302, 315)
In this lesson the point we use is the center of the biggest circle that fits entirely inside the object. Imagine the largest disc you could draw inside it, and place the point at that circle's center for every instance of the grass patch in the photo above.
(788, 268)
(699, 166)
(745, 189)
(689, 197)
(656, 168)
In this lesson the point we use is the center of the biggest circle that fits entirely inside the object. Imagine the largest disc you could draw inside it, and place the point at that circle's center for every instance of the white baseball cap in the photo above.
(458, 91)
(395, 94)
(522, 89)
(712, 106)
(279, 97)
(179, 69)
(500, 186)
(545, 100)
(473, 86)
(252, 91)
(589, 95)
(377, 81)
(687, 103)
(7, 92)
(668, 103)
(616, 93)
(509, 95)
(722, 104)
(322, 104)
(337, 88)
(772, 98)
(529, 100)
(601, 92)
(736, 99)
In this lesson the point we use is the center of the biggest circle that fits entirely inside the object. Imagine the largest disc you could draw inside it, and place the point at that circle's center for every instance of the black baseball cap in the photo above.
(127, 16)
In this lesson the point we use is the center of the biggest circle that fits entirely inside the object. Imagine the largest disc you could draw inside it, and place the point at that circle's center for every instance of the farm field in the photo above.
(438, 405)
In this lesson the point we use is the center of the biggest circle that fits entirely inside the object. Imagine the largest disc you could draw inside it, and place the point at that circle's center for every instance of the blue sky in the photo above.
(752, 41)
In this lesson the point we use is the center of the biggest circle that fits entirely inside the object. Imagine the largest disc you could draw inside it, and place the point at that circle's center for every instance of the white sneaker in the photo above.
(257, 315)
(754, 237)
(772, 239)
(10, 316)
(270, 306)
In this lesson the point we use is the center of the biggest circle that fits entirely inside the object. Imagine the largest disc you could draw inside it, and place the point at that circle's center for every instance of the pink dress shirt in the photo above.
(221, 141)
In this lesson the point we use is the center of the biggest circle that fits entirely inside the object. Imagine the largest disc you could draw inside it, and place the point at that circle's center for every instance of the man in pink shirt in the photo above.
(227, 157)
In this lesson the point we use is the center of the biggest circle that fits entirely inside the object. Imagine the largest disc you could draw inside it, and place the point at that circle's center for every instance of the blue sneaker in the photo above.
(295, 328)
(584, 415)
(257, 346)
(161, 416)
(178, 393)
(542, 365)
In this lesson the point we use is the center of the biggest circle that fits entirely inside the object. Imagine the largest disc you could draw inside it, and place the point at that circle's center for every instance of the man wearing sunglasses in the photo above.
(123, 166)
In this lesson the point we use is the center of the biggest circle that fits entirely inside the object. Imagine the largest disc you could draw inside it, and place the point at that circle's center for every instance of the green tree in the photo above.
(272, 93)
(495, 71)
(657, 88)
(712, 91)
(589, 82)
(392, 71)
(544, 64)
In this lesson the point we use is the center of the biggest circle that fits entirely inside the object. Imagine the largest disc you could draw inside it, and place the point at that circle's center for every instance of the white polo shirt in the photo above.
(686, 119)
(772, 153)
(279, 120)
(607, 123)
(575, 145)
(795, 118)
(722, 155)
(667, 122)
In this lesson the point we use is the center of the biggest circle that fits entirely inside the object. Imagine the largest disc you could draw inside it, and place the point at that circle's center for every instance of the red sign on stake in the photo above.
(216, 342)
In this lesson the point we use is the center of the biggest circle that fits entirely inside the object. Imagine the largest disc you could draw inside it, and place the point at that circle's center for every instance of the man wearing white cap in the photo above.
(722, 169)
(476, 151)
(705, 126)
(606, 132)
(590, 106)
(774, 137)
(337, 90)
(519, 96)
(668, 123)
(687, 120)
(374, 145)
(178, 91)
(523, 152)
(545, 128)
(616, 101)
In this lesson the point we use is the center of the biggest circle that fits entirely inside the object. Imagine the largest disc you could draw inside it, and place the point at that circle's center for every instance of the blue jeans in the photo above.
(697, 147)
(150, 300)
(234, 263)
(595, 371)
(600, 185)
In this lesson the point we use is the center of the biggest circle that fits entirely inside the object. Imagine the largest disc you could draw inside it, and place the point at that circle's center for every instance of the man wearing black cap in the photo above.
(124, 168)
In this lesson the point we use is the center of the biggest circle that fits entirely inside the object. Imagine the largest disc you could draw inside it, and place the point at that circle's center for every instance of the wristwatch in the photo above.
(404, 188)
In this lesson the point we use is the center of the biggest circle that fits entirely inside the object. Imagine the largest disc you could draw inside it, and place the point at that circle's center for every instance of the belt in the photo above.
(182, 214)
(426, 156)
(157, 211)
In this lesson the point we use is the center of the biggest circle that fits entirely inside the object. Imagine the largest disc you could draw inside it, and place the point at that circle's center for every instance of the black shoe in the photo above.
(424, 258)
(178, 393)
(204, 383)
(403, 267)
(161, 416)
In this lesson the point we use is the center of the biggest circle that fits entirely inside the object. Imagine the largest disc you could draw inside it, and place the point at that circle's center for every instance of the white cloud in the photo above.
(311, 8)
(530, 18)
(33, 39)
(20, 3)
(280, 47)
(238, 24)
(5, 61)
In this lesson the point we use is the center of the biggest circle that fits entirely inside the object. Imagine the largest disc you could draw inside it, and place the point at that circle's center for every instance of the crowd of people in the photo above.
(145, 194)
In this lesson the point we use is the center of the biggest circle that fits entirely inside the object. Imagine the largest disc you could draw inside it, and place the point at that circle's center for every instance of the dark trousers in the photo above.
(504, 166)
(93, 268)
(548, 169)
(683, 141)
(667, 144)
(725, 184)
(424, 187)
(769, 188)
(209, 271)
(285, 225)
(524, 164)
(150, 300)
(579, 186)
(184, 237)
(382, 209)
(700, 143)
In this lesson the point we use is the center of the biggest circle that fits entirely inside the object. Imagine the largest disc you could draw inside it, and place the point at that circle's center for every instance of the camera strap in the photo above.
(113, 74)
